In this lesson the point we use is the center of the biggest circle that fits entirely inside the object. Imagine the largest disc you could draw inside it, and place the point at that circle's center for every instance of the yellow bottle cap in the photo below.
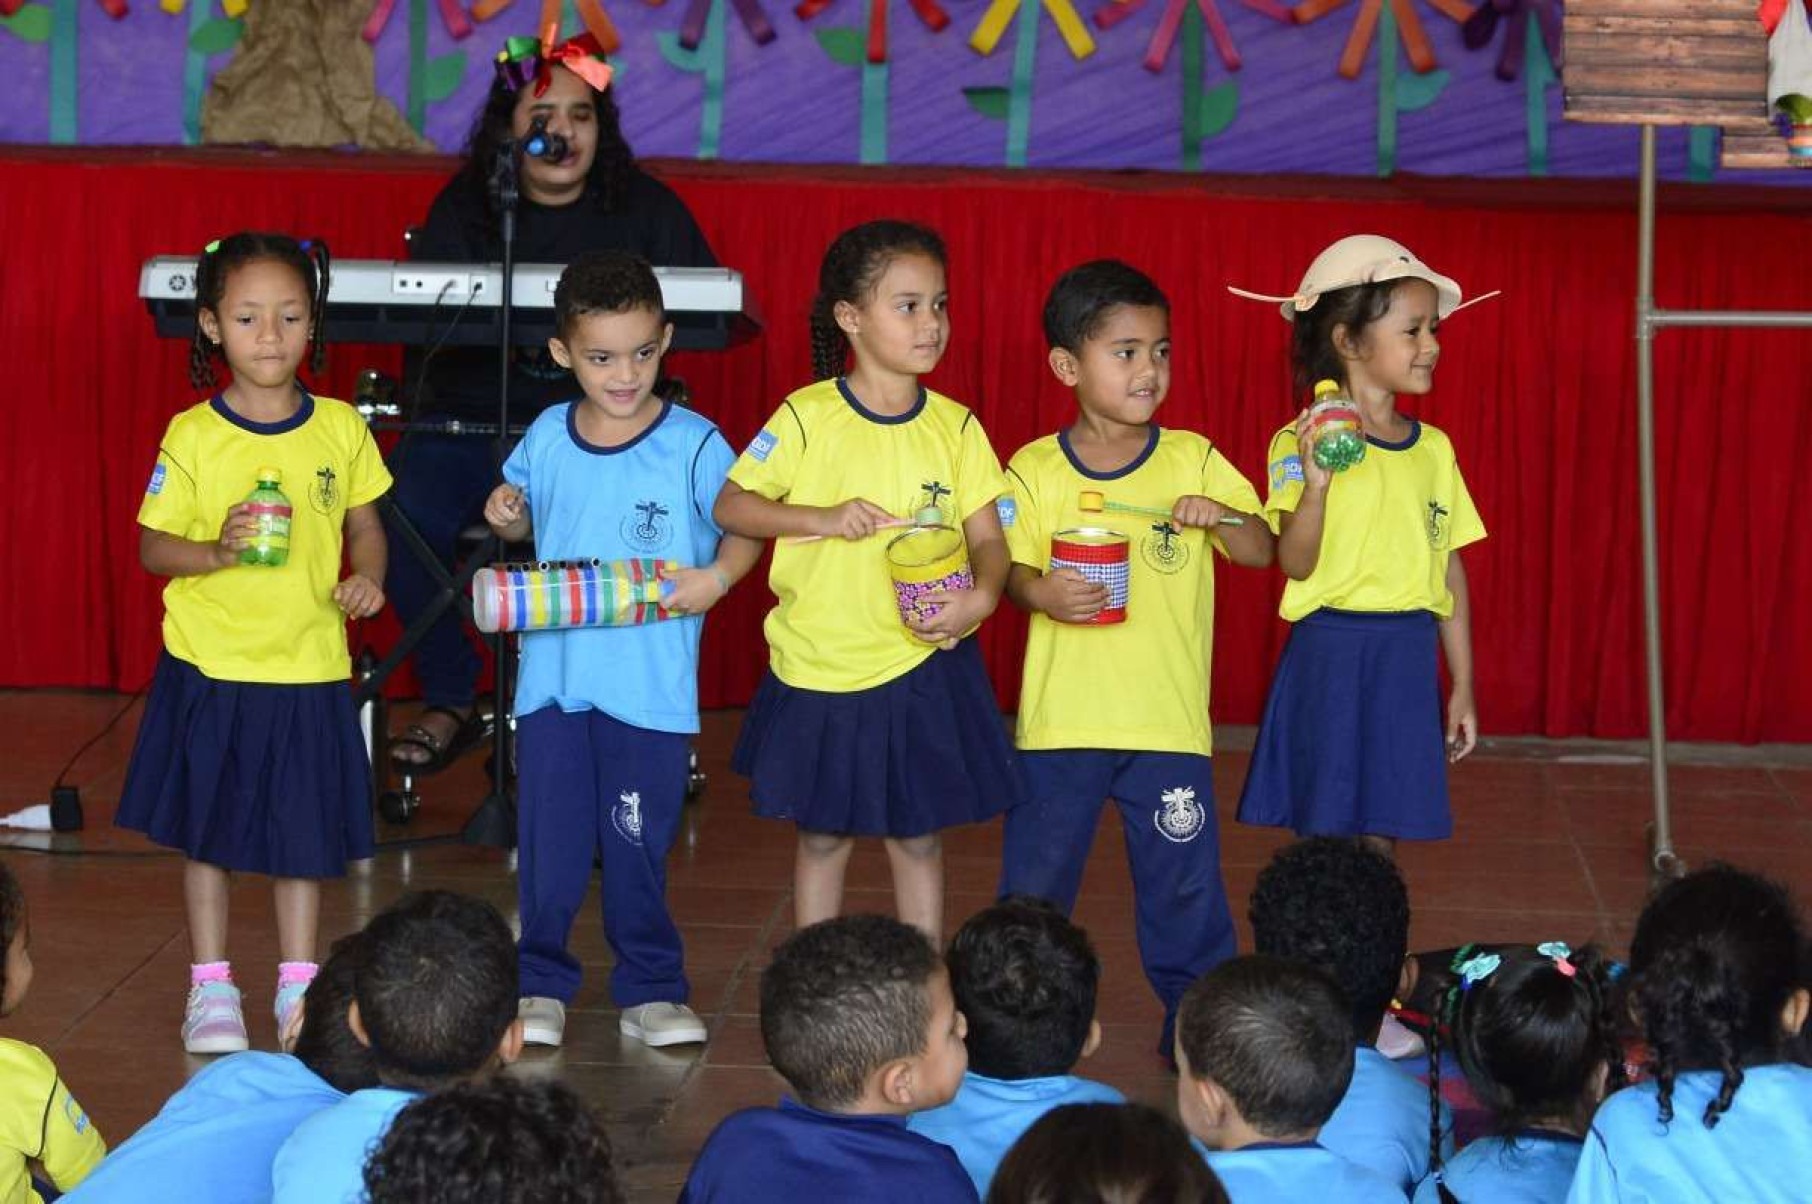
(1326, 388)
(273, 475)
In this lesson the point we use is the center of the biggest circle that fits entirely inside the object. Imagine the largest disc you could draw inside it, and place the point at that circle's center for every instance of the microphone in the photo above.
(543, 144)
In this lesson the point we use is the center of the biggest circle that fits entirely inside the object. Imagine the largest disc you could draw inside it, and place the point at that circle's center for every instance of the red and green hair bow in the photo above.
(525, 59)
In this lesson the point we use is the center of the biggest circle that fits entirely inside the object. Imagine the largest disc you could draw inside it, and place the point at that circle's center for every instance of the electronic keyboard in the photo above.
(422, 304)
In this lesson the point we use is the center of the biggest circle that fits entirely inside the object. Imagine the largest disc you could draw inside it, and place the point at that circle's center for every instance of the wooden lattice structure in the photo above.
(1673, 62)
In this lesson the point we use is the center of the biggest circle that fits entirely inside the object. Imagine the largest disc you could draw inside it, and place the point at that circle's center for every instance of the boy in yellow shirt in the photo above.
(1114, 699)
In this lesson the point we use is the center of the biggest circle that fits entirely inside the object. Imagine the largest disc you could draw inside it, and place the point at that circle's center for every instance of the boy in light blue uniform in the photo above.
(1334, 903)
(605, 714)
(1264, 1053)
(216, 1138)
(1024, 978)
(434, 998)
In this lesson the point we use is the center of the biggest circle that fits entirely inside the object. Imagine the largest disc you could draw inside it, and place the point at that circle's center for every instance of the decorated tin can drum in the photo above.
(927, 560)
(1101, 556)
(567, 593)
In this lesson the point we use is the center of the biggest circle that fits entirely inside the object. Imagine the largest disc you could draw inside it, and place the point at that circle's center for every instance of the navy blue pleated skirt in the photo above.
(268, 779)
(1352, 741)
(926, 751)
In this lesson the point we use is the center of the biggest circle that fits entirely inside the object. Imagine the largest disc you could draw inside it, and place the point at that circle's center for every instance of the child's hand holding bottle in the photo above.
(237, 530)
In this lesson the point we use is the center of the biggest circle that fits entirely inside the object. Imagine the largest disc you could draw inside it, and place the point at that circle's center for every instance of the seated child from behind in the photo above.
(1024, 978)
(434, 997)
(1112, 1153)
(1334, 903)
(1264, 1054)
(43, 1131)
(217, 1137)
(500, 1141)
(858, 1018)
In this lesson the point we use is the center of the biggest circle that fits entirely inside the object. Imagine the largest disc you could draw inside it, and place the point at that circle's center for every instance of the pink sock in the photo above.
(202, 972)
(291, 973)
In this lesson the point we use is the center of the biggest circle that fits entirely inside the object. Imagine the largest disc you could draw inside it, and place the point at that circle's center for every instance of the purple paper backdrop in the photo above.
(790, 102)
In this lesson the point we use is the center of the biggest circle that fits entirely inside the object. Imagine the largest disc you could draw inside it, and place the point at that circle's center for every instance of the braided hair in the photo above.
(849, 272)
(309, 259)
(1714, 961)
(1530, 1033)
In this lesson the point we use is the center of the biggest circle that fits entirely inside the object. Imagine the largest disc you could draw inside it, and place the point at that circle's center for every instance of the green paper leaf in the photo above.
(217, 36)
(677, 55)
(1219, 105)
(30, 24)
(844, 44)
(445, 74)
(1419, 91)
(989, 102)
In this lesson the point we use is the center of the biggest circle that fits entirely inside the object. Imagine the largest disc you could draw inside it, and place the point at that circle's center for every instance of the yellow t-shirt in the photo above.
(1392, 520)
(40, 1120)
(256, 623)
(1142, 684)
(837, 627)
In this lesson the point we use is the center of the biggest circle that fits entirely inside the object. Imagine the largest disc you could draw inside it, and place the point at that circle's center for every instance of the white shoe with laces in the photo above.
(660, 1024)
(543, 1020)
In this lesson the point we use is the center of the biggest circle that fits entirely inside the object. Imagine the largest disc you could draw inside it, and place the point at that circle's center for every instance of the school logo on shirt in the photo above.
(1181, 818)
(1164, 549)
(647, 527)
(157, 480)
(1439, 528)
(1007, 506)
(626, 816)
(931, 497)
(72, 1112)
(324, 490)
(761, 446)
(1289, 468)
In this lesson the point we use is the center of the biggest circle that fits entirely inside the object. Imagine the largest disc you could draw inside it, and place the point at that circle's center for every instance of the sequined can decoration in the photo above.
(927, 560)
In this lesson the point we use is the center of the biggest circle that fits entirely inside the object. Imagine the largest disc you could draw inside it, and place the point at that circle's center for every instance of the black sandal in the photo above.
(467, 733)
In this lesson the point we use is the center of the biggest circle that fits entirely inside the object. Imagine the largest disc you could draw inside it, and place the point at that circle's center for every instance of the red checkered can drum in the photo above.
(1102, 556)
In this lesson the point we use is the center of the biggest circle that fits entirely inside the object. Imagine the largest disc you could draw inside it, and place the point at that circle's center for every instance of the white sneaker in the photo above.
(659, 1024)
(543, 1020)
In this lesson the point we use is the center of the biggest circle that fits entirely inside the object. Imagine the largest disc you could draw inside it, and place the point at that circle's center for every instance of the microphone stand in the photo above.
(494, 823)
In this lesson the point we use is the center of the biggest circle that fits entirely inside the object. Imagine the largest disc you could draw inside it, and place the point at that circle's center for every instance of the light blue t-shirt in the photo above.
(650, 497)
(1269, 1173)
(1382, 1121)
(1527, 1168)
(216, 1138)
(323, 1162)
(988, 1115)
(1760, 1152)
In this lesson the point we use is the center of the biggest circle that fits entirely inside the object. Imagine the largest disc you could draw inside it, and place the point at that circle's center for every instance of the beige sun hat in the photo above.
(1364, 259)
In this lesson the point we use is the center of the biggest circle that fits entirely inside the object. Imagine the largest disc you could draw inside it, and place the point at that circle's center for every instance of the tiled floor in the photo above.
(1550, 844)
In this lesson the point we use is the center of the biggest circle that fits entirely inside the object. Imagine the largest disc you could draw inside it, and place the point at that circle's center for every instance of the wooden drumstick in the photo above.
(1093, 501)
(925, 516)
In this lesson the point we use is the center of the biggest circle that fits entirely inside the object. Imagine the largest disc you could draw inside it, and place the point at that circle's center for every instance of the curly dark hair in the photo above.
(843, 998)
(1714, 961)
(1273, 1033)
(1104, 1154)
(502, 1141)
(605, 282)
(308, 258)
(1337, 904)
(326, 1044)
(436, 988)
(851, 268)
(1025, 978)
(1083, 297)
(606, 183)
(12, 915)
(1313, 355)
(1530, 1039)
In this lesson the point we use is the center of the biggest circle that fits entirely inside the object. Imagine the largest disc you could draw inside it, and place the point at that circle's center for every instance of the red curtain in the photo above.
(1537, 389)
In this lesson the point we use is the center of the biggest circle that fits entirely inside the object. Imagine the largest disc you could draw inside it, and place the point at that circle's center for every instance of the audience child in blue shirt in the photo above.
(434, 997)
(1534, 1031)
(1716, 982)
(1336, 903)
(217, 1137)
(1024, 978)
(1264, 1054)
(857, 1016)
